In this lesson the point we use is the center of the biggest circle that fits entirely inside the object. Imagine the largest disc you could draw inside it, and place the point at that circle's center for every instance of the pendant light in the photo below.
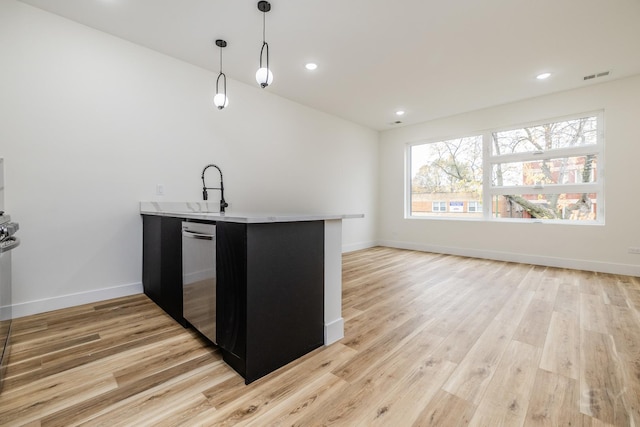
(264, 76)
(221, 100)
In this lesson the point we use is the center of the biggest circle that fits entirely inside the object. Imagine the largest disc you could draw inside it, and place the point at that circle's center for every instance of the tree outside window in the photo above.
(446, 172)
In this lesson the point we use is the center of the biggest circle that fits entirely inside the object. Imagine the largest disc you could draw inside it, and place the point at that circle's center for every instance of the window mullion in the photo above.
(547, 189)
(487, 140)
(547, 155)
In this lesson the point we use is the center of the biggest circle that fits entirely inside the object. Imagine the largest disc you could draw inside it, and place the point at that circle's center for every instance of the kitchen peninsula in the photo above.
(279, 279)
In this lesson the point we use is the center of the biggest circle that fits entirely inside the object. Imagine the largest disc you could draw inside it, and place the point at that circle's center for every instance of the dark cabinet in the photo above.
(270, 287)
(270, 294)
(162, 263)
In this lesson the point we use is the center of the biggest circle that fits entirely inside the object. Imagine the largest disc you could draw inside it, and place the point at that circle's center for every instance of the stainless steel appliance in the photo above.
(199, 277)
(8, 242)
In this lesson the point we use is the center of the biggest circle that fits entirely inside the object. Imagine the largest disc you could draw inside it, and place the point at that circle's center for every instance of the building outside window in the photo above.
(547, 171)
(474, 206)
(438, 206)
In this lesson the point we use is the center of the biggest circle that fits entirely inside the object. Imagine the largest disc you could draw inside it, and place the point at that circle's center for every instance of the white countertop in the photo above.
(208, 211)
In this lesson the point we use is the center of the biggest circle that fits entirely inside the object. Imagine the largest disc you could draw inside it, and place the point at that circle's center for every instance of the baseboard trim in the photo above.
(333, 331)
(71, 300)
(574, 264)
(358, 246)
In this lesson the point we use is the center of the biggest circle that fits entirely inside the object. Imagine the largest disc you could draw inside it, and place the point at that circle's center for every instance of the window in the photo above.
(544, 172)
(547, 171)
(446, 173)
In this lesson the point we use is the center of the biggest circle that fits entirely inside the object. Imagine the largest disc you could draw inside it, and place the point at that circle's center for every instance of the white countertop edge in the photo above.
(192, 210)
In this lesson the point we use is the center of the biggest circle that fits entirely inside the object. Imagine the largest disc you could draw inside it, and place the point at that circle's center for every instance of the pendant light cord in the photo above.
(264, 38)
(223, 75)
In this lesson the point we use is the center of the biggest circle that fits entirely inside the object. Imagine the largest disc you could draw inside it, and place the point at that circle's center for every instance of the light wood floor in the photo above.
(430, 340)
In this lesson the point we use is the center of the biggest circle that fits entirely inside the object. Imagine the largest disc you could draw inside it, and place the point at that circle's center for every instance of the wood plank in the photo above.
(366, 330)
(85, 355)
(561, 353)
(602, 383)
(296, 408)
(535, 323)
(612, 294)
(588, 421)
(513, 275)
(507, 397)
(554, 401)
(468, 330)
(531, 281)
(351, 313)
(26, 351)
(473, 374)
(403, 403)
(51, 396)
(632, 389)
(158, 404)
(624, 325)
(88, 407)
(548, 288)
(421, 375)
(445, 409)
(373, 397)
(456, 310)
(516, 306)
(253, 401)
(568, 299)
(588, 283)
(381, 348)
(630, 286)
(593, 313)
(241, 403)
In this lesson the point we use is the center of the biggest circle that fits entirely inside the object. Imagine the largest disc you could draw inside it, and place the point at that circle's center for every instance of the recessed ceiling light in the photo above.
(400, 113)
(311, 66)
(543, 76)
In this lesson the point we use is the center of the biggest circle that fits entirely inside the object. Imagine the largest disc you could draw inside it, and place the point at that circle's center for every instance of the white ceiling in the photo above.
(432, 59)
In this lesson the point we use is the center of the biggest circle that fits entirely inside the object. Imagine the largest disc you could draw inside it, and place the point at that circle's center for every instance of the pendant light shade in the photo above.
(221, 100)
(264, 76)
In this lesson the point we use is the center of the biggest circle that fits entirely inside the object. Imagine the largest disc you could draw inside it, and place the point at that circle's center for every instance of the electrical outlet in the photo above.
(159, 190)
(634, 250)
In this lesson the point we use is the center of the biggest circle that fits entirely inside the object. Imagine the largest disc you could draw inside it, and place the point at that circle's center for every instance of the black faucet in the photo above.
(205, 195)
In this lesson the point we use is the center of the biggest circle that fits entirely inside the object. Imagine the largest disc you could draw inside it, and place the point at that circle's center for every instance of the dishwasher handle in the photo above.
(194, 235)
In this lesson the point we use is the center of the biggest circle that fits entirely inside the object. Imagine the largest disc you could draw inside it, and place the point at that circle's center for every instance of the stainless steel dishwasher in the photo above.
(199, 277)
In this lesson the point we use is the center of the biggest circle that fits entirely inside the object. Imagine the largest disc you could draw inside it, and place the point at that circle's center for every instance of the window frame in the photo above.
(489, 191)
(408, 180)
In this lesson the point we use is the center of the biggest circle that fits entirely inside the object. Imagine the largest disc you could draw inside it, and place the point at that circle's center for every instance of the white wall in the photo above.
(598, 248)
(91, 123)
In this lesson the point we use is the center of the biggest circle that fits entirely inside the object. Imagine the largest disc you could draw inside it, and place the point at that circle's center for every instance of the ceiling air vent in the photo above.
(594, 76)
